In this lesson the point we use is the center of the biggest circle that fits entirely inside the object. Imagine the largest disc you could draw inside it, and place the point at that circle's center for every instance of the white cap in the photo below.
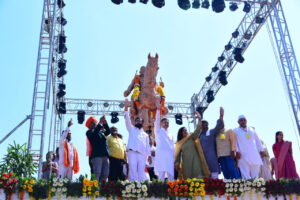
(241, 117)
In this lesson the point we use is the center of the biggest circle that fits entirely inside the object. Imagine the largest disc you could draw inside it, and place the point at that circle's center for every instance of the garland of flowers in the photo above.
(90, 188)
(134, 189)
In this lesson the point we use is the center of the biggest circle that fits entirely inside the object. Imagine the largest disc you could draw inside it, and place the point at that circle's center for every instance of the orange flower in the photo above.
(176, 193)
(180, 194)
(180, 190)
(170, 183)
(185, 182)
(177, 187)
(181, 187)
(185, 194)
(169, 190)
(175, 190)
(172, 186)
(186, 187)
(180, 182)
(170, 194)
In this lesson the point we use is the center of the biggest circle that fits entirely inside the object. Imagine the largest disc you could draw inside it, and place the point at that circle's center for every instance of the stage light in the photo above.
(178, 119)
(121, 105)
(117, 1)
(233, 6)
(239, 58)
(222, 77)
(61, 92)
(210, 96)
(221, 58)
(248, 35)
(228, 46)
(61, 63)
(259, 20)
(144, 1)
(80, 116)
(62, 108)
(200, 110)
(170, 107)
(196, 4)
(218, 5)
(208, 78)
(184, 4)
(205, 4)
(61, 72)
(158, 3)
(215, 68)
(114, 117)
(237, 50)
(247, 7)
(235, 34)
(106, 104)
(62, 38)
(131, 1)
(89, 104)
(62, 21)
(61, 48)
(61, 3)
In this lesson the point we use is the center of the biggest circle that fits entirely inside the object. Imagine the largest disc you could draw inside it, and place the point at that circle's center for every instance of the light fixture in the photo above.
(208, 78)
(61, 72)
(121, 105)
(222, 78)
(196, 4)
(259, 20)
(218, 5)
(205, 4)
(178, 119)
(215, 68)
(89, 104)
(105, 104)
(80, 116)
(233, 6)
(144, 1)
(62, 108)
(131, 1)
(61, 92)
(230, 63)
(158, 3)
(248, 35)
(235, 34)
(210, 96)
(61, 68)
(238, 55)
(184, 4)
(200, 110)
(61, 3)
(221, 58)
(117, 1)
(247, 7)
(114, 117)
(170, 107)
(62, 21)
(228, 46)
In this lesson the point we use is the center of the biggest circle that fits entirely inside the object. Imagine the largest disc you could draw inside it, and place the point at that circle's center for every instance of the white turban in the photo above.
(241, 117)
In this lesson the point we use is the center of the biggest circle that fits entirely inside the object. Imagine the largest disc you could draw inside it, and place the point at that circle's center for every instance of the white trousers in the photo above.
(248, 171)
(163, 175)
(65, 172)
(137, 163)
(214, 175)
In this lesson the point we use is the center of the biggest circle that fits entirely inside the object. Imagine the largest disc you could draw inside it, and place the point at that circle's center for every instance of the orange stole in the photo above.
(67, 158)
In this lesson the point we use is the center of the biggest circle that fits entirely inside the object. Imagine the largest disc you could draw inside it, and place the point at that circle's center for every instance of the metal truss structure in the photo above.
(46, 78)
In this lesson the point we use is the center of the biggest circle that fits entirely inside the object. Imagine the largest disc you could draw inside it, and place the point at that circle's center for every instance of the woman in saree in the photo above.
(284, 156)
(189, 158)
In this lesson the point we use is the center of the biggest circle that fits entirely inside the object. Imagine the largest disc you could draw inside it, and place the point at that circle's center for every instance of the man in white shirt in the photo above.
(68, 156)
(247, 143)
(164, 161)
(151, 160)
(138, 147)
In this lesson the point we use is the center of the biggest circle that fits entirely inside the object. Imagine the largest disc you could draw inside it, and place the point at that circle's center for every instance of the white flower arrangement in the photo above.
(58, 185)
(134, 189)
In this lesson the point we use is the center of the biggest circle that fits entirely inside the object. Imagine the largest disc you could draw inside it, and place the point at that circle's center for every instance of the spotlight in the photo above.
(233, 6)
(62, 38)
(105, 104)
(61, 92)
(184, 4)
(121, 105)
(208, 78)
(178, 119)
(62, 48)
(205, 4)
(210, 96)
(131, 1)
(230, 63)
(61, 63)
(237, 51)
(239, 58)
(235, 34)
(114, 117)
(218, 5)
(61, 3)
(80, 116)
(61, 72)
(117, 1)
(259, 20)
(62, 21)
(62, 107)
(221, 58)
(158, 3)
(248, 35)
(89, 104)
(215, 68)
(201, 110)
(247, 7)
(196, 4)
(170, 107)
(228, 46)
(222, 78)
(144, 1)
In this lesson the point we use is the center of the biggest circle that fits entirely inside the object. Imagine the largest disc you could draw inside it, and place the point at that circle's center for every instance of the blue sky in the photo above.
(107, 43)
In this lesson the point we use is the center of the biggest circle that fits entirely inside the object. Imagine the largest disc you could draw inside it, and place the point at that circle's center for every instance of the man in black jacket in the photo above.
(99, 156)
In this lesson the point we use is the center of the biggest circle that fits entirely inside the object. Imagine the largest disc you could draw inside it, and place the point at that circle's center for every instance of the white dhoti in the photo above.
(137, 163)
(65, 172)
(248, 171)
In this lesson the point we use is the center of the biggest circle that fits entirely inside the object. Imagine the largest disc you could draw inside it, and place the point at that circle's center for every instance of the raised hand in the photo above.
(103, 120)
(70, 123)
(198, 115)
(126, 103)
(221, 112)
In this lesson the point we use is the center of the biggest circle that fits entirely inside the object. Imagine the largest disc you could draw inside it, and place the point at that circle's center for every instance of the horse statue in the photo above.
(146, 92)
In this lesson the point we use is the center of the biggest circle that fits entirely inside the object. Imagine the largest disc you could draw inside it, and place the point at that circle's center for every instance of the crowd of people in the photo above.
(237, 153)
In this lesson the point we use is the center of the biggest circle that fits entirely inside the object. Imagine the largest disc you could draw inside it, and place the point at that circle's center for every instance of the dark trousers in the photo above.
(91, 166)
(151, 173)
(116, 169)
(228, 167)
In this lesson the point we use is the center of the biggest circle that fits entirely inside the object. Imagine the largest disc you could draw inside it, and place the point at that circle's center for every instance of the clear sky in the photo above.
(107, 43)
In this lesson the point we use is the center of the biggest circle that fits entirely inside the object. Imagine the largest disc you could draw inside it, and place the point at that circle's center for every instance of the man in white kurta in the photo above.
(138, 147)
(164, 160)
(247, 144)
